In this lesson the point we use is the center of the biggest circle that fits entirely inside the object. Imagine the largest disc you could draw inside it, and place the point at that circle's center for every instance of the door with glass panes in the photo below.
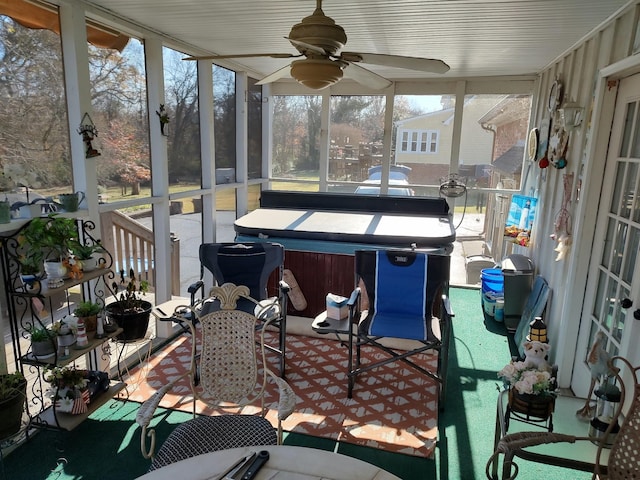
(612, 303)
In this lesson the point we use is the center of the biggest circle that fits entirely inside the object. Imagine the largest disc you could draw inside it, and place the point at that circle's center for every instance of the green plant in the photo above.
(41, 334)
(84, 252)
(130, 299)
(11, 384)
(87, 309)
(67, 376)
(31, 264)
(52, 234)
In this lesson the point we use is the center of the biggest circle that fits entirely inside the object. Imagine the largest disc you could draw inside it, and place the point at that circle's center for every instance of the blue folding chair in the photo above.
(249, 264)
(407, 295)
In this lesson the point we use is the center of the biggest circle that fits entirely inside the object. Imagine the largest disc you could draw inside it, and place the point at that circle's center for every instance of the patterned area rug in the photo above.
(393, 407)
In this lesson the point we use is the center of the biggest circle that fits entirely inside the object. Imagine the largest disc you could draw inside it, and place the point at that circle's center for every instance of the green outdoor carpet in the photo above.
(107, 445)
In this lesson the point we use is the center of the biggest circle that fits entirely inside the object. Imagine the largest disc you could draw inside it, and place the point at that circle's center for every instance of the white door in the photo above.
(614, 272)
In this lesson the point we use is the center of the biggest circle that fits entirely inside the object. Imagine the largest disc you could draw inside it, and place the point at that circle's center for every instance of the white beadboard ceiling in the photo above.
(477, 38)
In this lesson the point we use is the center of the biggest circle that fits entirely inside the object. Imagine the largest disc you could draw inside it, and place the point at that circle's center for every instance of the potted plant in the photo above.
(68, 388)
(44, 342)
(66, 330)
(31, 268)
(130, 312)
(532, 391)
(13, 392)
(52, 235)
(88, 312)
(86, 254)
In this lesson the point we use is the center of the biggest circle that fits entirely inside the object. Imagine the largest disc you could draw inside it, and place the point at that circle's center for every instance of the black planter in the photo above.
(134, 324)
(11, 409)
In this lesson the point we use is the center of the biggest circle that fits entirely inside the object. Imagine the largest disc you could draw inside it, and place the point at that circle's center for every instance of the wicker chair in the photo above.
(227, 370)
(624, 455)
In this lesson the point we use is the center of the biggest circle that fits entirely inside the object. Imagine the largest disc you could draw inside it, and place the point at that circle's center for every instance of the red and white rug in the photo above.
(393, 407)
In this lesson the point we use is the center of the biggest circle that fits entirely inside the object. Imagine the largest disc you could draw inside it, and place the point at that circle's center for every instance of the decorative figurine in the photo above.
(598, 360)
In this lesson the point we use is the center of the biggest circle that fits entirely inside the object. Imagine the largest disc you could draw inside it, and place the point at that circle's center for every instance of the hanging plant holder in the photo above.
(89, 132)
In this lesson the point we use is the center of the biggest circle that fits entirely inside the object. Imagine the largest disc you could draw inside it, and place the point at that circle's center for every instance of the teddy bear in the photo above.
(535, 354)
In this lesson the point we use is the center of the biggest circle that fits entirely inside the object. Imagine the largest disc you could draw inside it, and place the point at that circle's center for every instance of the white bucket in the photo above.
(489, 303)
(499, 309)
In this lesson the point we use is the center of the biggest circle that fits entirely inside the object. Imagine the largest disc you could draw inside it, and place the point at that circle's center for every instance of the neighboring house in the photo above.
(424, 142)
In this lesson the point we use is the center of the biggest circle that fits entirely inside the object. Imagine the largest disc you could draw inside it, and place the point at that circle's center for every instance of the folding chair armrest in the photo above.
(446, 303)
(353, 299)
(193, 289)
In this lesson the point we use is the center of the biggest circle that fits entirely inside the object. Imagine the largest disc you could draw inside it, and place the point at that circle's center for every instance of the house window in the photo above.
(419, 141)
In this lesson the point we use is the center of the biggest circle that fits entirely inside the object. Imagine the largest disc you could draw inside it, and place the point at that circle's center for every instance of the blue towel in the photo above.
(400, 298)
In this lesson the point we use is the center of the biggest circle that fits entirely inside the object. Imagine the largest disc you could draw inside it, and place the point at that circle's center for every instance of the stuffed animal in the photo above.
(535, 354)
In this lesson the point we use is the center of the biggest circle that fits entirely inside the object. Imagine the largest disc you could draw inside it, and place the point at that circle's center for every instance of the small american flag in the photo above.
(80, 403)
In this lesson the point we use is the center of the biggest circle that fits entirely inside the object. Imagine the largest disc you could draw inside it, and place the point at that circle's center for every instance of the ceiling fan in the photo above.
(318, 38)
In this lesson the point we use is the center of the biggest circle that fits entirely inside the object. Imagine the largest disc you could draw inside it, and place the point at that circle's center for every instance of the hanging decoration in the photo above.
(558, 144)
(563, 228)
(89, 132)
(164, 119)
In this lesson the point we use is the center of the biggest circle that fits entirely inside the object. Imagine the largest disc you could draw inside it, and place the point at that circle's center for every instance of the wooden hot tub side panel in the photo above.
(317, 274)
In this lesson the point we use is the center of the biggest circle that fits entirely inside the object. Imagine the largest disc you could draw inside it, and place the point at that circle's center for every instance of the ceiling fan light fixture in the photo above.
(316, 73)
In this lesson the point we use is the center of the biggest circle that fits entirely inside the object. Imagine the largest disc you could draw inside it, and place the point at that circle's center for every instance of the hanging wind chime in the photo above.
(562, 233)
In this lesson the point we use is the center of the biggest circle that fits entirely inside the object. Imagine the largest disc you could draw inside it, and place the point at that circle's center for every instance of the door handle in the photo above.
(626, 303)
(636, 314)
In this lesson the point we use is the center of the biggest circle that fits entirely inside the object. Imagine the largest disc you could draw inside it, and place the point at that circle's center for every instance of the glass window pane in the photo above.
(618, 190)
(610, 305)
(628, 125)
(356, 135)
(599, 298)
(296, 139)
(34, 135)
(629, 192)
(418, 120)
(119, 95)
(608, 243)
(224, 123)
(620, 314)
(183, 132)
(631, 255)
(254, 130)
(618, 248)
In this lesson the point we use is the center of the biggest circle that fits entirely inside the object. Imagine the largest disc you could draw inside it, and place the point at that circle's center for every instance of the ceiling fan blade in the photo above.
(277, 75)
(243, 55)
(366, 77)
(430, 65)
(307, 48)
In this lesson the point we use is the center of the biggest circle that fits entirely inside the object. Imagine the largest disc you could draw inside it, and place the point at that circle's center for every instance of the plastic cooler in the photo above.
(492, 282)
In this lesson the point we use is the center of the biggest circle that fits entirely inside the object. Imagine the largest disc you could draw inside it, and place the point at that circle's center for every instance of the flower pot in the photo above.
(11, 409)
(44, 348)
(90, 323)
(134, 324)
(90, 263)
(533, 409)
(55, 269)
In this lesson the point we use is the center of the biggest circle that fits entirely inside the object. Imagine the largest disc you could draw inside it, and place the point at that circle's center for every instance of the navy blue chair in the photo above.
(249, 264)
(406, 298)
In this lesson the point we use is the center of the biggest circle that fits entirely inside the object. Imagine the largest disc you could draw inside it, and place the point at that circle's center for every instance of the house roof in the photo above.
(510, 162)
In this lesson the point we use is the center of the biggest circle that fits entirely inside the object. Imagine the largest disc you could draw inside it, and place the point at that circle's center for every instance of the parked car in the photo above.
(396, 188)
